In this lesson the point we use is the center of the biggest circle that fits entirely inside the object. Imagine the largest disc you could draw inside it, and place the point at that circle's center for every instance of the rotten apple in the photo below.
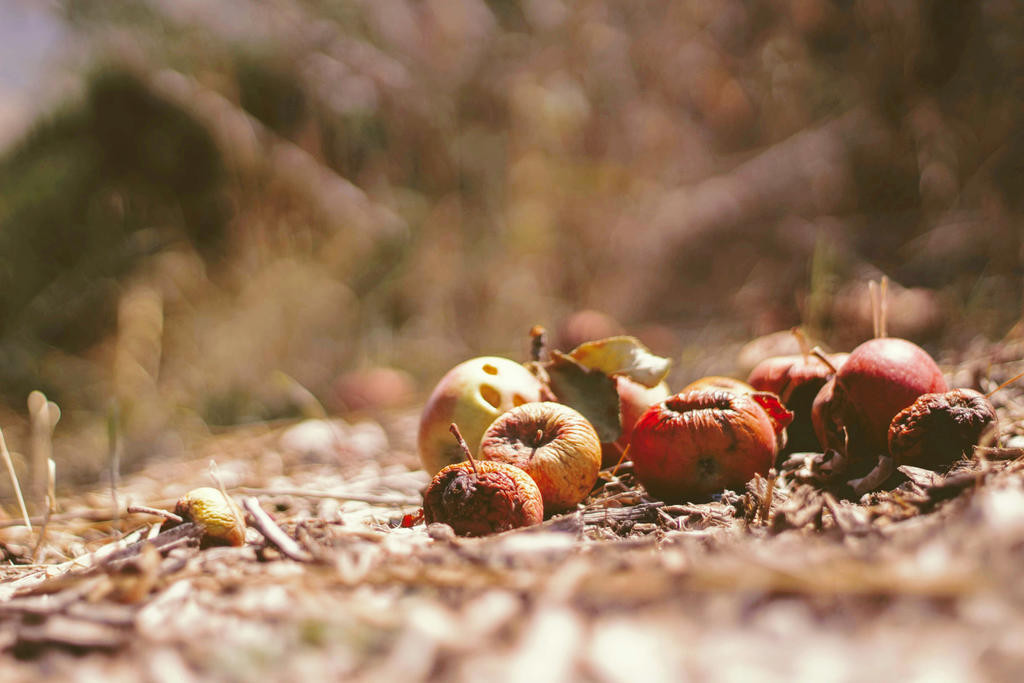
(480, 498)
(938, 429)
(697, 443)
(552, 443)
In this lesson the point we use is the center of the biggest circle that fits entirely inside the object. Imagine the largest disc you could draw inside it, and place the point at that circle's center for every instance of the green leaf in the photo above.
(622, 356)
(589, 391)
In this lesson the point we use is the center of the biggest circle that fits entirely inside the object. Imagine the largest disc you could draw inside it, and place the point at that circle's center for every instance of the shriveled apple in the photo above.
(697, 443)
(554, 444)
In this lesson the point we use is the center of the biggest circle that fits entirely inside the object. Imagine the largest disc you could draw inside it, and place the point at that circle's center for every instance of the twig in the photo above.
(42, 533)
(538, 342)
(454, 429)
(818, 353)
(183, 534)
(157, 512)
(14, 480)
(44, 415)
(305, 399)
(873, 292)
(51, 505)
(883, 307)
(84, 516)
(370, 498)
(1005, 384)
(273, 533)
(994, 453)
(622, 458)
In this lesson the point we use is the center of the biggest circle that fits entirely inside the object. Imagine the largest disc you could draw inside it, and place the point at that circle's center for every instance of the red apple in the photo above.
(471, 395)
(880, 378)
(796, 379)
(697, 443)
(634, 399)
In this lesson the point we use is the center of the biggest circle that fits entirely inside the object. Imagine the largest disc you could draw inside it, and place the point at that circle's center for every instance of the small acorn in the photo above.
(220, 517)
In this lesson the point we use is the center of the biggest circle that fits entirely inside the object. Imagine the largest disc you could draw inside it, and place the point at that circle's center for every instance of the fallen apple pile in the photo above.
(541, 431)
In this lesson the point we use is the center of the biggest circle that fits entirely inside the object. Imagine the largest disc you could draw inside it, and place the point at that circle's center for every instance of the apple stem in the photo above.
(873, 291)
(801, 339)
(883, 315)
(538, 342)
(454, 429)
(820, 355)
(1005, 384)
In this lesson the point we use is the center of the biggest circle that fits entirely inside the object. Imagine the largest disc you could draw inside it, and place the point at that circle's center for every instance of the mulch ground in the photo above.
(782, 581)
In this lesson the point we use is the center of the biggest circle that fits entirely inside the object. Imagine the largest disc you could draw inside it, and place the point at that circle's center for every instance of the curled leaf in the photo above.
(622, 355)
(591, 392)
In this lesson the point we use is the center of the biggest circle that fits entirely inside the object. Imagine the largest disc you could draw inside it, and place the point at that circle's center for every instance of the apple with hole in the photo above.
(697, 443)
(472, 395)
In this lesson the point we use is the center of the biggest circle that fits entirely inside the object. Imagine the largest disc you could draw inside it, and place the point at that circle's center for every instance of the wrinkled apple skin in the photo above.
(880, 378)
(551, 442)
(472, 395)
(697, 443)
(634, 400)
(936, 430)
(797, 379)
(718, 382)
(482, 498)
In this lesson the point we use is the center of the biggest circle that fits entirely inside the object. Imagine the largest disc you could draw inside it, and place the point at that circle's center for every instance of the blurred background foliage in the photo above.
(244, 210)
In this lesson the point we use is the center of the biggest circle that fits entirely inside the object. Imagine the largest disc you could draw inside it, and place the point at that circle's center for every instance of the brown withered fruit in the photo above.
(477, 497)
(938, 429)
